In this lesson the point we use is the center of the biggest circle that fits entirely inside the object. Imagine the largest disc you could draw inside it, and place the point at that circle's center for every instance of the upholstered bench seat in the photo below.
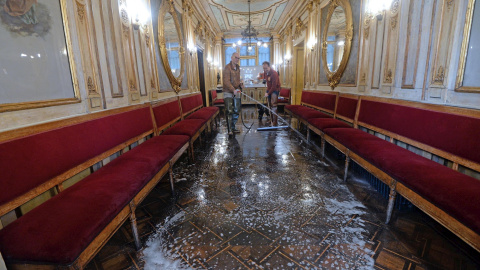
(450, 190)
(188, 127)
(200, 115)
(308, 113)
(204, 113)
(324, 123)
(293, 108)
(219, 102)
(57, 231)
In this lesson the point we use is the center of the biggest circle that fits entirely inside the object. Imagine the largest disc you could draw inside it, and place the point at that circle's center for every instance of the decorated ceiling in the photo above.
(231, 16)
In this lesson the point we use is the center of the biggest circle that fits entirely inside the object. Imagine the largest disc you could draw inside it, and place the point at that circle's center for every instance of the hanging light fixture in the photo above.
(250, 33)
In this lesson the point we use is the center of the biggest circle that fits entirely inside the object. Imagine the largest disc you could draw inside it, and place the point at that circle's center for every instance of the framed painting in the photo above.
(36, 63)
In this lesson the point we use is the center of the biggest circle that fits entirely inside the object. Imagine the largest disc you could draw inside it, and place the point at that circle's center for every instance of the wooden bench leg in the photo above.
(308, 135)
(347, 162)
(322, 145)
(133, 222)
(391, 202)
(172, 182)
(190, 150)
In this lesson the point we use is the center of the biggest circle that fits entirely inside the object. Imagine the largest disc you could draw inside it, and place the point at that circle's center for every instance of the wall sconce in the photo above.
(287, 57)
(191, 48)
(138, 12)
(311, 43)
(378, 7)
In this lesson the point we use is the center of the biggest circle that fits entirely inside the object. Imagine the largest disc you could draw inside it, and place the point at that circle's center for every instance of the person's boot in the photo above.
(237, 108)
(229, 111)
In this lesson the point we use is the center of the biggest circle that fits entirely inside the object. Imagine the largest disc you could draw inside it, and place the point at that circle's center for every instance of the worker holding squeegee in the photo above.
(273, 89)
(232, 86)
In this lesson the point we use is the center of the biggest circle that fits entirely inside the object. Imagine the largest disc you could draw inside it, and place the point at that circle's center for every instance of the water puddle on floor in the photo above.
(262, 201)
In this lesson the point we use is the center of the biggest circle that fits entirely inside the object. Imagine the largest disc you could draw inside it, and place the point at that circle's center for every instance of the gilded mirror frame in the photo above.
(334, 77)
(459, 87)
(176, 82)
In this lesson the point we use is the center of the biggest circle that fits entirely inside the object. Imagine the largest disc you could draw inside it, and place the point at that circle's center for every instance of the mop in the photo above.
(271, 127)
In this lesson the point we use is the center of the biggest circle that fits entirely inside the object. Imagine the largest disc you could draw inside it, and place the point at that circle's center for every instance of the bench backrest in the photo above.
(191, 103)
(38, 158)
(166, 113)
(346, 107)
(446, 131)
(214, 95)
(285, 92)
(324, 101)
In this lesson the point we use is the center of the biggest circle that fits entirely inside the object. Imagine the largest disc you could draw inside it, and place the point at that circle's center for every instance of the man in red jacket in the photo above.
(273, 89)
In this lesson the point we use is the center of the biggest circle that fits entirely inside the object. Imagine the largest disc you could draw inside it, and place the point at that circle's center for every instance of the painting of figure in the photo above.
(34, 60)
(25, 17)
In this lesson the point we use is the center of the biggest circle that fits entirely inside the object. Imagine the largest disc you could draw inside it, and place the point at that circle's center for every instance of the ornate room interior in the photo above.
(116, 152)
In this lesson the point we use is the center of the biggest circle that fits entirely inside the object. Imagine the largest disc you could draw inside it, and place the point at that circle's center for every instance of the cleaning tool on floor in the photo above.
(271, 116)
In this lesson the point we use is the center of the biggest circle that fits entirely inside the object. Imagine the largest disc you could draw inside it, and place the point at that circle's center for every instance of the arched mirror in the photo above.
(337, 40)
(171, 44)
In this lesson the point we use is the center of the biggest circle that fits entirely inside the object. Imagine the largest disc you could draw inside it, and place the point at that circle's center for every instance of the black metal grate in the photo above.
(400, 202)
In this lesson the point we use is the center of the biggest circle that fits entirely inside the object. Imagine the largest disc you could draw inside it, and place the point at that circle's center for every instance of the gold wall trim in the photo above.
(463, 53)
(87, 53)
(443, 48)
(73, 71)
(334, 77)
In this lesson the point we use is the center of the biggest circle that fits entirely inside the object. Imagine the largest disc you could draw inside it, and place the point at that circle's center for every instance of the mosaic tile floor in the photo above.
(265, 200)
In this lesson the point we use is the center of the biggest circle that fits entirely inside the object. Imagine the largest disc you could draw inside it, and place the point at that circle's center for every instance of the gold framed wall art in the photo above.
(37, 68)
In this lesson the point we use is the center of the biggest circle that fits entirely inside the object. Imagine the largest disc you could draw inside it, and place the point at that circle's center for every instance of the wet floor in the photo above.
(266, 200)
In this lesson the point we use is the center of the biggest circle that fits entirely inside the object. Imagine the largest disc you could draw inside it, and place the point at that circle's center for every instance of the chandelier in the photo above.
(249, 34)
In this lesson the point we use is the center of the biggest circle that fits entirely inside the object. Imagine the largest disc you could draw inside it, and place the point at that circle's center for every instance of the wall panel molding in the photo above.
(443, 44)
(129, 54)
(413, 43)
(391, 47)
(83, 16)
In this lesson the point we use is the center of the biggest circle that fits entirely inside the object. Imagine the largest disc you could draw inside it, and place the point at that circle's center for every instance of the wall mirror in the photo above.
(337, 40)
(171, 44)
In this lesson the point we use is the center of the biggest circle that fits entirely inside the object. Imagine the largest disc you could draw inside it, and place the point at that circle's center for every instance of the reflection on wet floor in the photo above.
(265, 200)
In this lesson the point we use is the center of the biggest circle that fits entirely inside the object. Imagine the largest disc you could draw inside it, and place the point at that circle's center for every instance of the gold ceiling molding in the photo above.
(220, 6)
(334, 77)
(168, 7)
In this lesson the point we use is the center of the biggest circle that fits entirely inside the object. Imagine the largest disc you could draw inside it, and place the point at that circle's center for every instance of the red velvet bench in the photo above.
(284, 97)
(315, 104)
(70, 228)
(444, 193)
(215, 100)
(344, 116)
(192, 108)
(168, 120)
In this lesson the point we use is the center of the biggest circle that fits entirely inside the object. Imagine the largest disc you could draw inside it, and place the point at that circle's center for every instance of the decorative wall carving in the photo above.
(83, 15)
(446, 31)
(391, 46)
